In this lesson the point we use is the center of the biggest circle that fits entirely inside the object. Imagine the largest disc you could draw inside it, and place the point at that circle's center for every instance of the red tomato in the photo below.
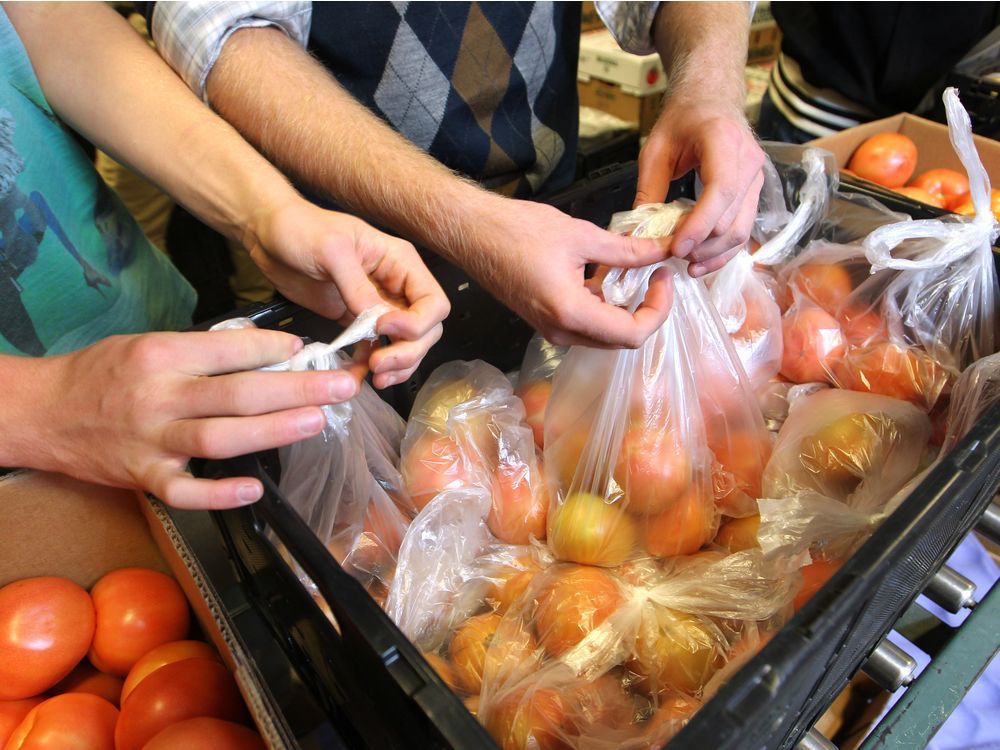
(684, 528)
(12, 713)
(921, 195)
(826, 284)
(886, 158)
(951, 186)
(967, 209)
(587, 530)
(861, 325)
(160, 656)
(137, 609)
(536, 398)
(530, 720)
(182, 690)
(508, 584)
(46, 625)
(653, 469)
(814, 576)
(80, 721)
(576, 602)
(812, 341)
(475, 652)
(891, 370)
(675, 711)
(205, 733)
(434, 463)
(520, 504)
(86, 679)
(743, 454)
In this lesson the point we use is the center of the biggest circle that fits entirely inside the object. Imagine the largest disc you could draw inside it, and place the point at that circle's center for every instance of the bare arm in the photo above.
(703, 47)
(530, 256)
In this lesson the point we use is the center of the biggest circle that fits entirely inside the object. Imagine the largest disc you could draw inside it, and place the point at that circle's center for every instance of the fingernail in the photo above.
(684, 248)
(697, 270)
(248, 493)
(388, 330)
(311, 423)
(342, 387)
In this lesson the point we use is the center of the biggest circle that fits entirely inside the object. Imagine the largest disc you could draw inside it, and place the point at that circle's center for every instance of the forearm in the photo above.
(704, 49)
(26, 394)
(334, 145)
(102, 79)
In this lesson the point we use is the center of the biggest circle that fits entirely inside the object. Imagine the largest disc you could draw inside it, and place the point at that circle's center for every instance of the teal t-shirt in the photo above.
(74, 265)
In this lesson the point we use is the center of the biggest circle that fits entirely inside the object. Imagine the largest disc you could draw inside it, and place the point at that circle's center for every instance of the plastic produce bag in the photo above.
(641, 444)
(974, 392)
(534, 383)
(467, 429)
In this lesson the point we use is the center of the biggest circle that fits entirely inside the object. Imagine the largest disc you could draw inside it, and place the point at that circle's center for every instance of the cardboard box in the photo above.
(764, 42)
(611, 98)
(589, 20)
(54, 525)
(933, 145)
(602, 58)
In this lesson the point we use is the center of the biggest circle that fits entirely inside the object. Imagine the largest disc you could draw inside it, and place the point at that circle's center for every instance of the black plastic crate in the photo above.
(375, 689)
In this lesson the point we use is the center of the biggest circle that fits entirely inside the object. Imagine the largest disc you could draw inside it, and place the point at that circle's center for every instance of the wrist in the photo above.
(26, 419)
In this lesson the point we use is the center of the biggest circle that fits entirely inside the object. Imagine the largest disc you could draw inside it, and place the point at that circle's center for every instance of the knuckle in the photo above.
(149, 353)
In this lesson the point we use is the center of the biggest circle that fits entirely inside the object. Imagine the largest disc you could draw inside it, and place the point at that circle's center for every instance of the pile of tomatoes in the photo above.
(110, 669)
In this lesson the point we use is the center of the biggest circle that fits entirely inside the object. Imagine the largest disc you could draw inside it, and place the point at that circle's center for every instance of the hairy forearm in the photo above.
(289, 106)
(101, 78)
(704, 49)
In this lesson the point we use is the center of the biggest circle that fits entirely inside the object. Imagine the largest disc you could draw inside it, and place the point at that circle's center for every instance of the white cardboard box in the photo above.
(603, 59)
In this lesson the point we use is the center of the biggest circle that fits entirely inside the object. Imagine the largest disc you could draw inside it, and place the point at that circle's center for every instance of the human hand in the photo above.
(338, 266)
(532, 257)
(130, 411)
(714, 138)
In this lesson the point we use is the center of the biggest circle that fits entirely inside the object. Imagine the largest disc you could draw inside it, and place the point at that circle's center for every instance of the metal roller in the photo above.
(890, 666)
(815, 741)
(951, 591)
(989, 524)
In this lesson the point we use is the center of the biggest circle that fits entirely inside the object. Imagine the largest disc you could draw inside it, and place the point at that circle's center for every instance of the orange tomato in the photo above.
(674, 712)
(653, 469)
(739, 534)
(587, 530)
(86, 679)
(46, 625)
(951, 186)
(812, 341)
(602, 703)
(137, 610)
(565, 454)
(181, 690)
(861, 325)
(849, 448)
(520, 504)
(12, 713)
(536, 398)
(743, 454)
(814, 576)
(205, 733)
(967, 209)
(160, 656)
(575, 603)
(80, 721)
(921, 195)
(826, 284)
(474, 651)
(892, 370)
(682, 529)
(443, 668)
(511, 583)
(677, 651)
(529, 720)
(886, 158)
(434, 463)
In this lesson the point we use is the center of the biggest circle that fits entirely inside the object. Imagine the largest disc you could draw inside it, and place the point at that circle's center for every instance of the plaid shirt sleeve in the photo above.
(190, 35)
(630, 23)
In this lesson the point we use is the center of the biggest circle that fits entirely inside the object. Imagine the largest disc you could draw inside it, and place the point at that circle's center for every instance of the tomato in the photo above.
(12, 713)
(137, 610)
(967, 209)
(529, 720)
(46, 625)
(571, 606)
(861, 325)
(443, 668)
(206, 733)
(684, 528)
(587, 530)
(434, 463)
(739, 534)
(743, 454)
(814, 576)
(509, 584)
(520, 504)
(677, 651)
(892, 370)
(434, 405)
(886, 158)
(181, 690)
(475, 652)
(653, 469)
(921, 195)
(565, 454)
(80, 721)
(160, 656)
(848, 449)
(86, 679)
(599, 704)
(812, 341)
(826, 284)
(472, 704)
(675, 711)
(951, 186)
(536, 398)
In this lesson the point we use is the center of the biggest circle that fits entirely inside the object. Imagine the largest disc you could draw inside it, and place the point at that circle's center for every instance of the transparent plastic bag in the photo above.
(974, 392)
(645, 447)
(467, 429)
(534, 383)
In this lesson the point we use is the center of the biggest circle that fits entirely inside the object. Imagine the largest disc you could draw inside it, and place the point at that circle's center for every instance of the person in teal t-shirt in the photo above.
(80, 283)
